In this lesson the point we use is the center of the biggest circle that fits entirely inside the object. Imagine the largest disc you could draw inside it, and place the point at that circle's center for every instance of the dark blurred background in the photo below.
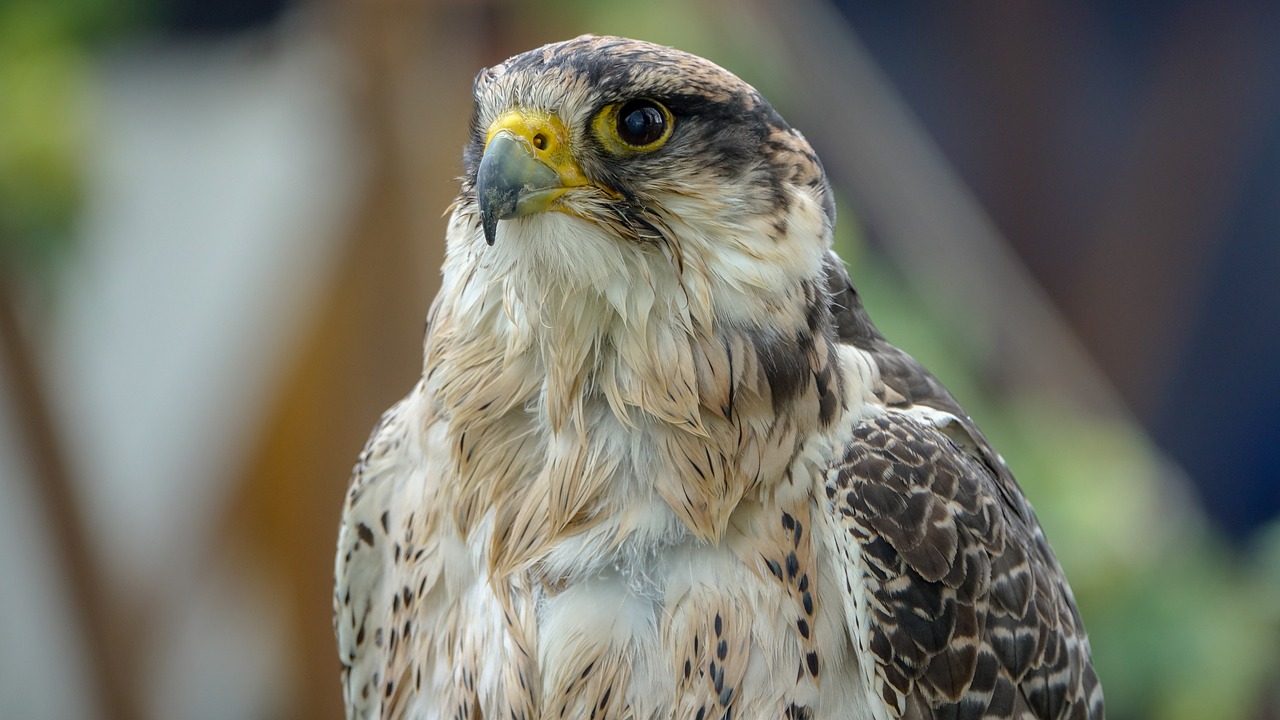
(220, 229)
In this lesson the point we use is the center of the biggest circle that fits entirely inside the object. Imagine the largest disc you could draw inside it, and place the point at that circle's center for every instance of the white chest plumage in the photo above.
(660, 624)
(631, 614)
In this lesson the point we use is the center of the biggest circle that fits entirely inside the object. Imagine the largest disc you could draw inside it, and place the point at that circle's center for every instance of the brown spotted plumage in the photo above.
(660, 464)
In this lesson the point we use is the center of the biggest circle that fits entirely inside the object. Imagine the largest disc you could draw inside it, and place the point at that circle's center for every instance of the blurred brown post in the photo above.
(412, 63)
(111, 662)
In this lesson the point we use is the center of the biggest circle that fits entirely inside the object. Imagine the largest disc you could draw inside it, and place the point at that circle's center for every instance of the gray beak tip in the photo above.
(490, 223)
(511, 182)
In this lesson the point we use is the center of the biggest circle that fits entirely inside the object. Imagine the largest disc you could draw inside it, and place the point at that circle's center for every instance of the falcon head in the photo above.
(602, 163)
(640, 243)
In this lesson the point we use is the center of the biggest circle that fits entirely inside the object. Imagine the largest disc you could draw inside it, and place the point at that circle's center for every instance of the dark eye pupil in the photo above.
(640, 122)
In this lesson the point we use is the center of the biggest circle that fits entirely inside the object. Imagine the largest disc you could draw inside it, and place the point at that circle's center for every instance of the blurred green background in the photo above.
(220, 229)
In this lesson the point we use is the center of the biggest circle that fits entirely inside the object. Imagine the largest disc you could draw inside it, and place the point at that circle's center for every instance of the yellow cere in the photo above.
(548, 141)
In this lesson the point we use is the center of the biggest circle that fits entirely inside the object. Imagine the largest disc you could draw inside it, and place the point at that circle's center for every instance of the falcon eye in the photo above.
(640, 124)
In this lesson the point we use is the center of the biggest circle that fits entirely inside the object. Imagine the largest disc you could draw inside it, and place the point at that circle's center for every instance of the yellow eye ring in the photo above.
(640, 125)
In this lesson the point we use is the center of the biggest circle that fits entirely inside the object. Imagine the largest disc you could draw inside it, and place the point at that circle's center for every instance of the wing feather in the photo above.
(966, 611)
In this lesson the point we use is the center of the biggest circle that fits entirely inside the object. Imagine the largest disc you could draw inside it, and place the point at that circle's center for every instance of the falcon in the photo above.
(660, 463)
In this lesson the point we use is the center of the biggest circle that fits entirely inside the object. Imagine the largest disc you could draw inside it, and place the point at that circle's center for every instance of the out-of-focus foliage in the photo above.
(45, 82)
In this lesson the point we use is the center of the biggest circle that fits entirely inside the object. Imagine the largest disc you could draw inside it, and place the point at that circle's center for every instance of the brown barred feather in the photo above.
(970, 614)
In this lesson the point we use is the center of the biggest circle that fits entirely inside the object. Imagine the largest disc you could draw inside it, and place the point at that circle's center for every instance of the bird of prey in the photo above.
(660, 463)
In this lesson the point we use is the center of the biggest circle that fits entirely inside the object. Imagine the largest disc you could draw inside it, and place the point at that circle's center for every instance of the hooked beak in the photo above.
(526, 166)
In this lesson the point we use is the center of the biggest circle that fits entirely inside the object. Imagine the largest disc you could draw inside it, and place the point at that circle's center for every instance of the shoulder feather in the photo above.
(967, 613)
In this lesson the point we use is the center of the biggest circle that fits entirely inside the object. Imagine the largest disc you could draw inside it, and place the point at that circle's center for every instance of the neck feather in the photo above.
(570, 397)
